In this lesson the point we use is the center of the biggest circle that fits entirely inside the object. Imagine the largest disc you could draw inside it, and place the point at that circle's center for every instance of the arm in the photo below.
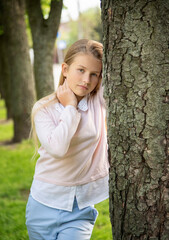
(56, 138)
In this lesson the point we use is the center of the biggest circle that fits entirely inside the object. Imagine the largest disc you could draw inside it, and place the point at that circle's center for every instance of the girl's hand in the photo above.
(66, 95)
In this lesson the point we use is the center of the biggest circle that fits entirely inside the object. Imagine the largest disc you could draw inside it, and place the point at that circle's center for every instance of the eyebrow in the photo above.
(85, 68)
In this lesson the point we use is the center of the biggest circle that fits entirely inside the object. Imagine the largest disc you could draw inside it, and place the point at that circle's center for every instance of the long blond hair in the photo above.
(84, 46)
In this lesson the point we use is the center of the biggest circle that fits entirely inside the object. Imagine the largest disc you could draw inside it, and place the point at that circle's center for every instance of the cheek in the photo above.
(71, 82)
(73, 79)
(95, 83)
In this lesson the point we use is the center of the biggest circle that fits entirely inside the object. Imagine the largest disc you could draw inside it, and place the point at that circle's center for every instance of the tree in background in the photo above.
(19, 71)
(44, 35)
(136, 78)
(16, 77)
(5, 86)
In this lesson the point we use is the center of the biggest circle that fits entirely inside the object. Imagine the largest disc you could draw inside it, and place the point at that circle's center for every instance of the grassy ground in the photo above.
(16, 174)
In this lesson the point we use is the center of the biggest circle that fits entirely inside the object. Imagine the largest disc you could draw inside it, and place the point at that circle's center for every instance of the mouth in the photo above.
(83, 87)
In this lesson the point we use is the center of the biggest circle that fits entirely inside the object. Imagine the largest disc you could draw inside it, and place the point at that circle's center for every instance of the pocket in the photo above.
(95, 213)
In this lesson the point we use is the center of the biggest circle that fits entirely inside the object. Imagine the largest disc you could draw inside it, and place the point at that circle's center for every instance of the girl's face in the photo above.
(83, 74)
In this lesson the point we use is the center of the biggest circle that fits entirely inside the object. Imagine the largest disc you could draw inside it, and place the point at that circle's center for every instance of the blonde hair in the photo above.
(83, 46)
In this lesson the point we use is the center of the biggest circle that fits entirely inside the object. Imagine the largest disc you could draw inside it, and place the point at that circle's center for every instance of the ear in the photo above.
(64, 69)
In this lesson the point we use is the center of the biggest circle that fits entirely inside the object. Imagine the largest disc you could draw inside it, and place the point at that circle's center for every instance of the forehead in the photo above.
(88, 61)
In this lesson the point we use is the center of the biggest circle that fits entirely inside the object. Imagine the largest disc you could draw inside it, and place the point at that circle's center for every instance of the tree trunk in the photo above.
(21, 77)
(44, 35)
(5, 89)
(136, 79)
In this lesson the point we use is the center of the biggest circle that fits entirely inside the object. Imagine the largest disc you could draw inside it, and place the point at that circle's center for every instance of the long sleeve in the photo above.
(55, 138)
(73, 142)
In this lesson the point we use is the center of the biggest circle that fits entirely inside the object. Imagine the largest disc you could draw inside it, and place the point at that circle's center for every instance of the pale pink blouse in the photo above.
(73, 154)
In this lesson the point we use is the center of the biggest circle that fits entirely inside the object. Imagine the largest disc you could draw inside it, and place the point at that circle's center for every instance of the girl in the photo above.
(71, 174)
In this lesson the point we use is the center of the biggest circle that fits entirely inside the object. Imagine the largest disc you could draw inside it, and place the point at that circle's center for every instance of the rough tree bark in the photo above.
(5, 89)
(136, 79)
(5, 86)
(44, 35)
(21, 76)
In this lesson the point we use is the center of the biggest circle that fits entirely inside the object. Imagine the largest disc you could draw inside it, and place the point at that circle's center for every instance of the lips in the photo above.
(84, 87)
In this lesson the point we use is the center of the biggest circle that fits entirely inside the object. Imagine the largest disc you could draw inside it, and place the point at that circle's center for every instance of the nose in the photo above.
(86, 78)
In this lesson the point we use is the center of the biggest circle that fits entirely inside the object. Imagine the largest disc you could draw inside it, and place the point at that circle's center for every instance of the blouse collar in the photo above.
(82, 105)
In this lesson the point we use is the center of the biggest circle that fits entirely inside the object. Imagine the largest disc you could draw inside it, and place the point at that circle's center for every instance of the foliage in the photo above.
(28, 31)
(88, 25)
(91, 24)
(16, 174)
(45, 6)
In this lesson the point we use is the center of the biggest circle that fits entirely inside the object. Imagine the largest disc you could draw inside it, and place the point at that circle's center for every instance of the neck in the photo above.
(79, 98)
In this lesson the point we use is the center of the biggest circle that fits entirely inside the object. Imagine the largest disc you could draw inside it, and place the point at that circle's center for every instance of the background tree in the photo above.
(5, 88)
(21, 77)
(44, 32)
(136, 79)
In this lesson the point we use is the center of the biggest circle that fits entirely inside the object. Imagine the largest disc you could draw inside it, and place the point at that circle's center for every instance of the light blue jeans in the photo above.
(46, 223)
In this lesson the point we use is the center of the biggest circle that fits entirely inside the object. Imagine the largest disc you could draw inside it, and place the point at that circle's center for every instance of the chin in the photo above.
(80, 95)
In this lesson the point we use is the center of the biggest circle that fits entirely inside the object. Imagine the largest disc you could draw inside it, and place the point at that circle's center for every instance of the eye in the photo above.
(94, 74)
(81, 70)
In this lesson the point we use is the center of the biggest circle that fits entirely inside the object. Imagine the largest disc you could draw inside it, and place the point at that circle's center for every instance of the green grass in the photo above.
(2, 110)
(16, 173)
(102, 228)
(6, 127)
